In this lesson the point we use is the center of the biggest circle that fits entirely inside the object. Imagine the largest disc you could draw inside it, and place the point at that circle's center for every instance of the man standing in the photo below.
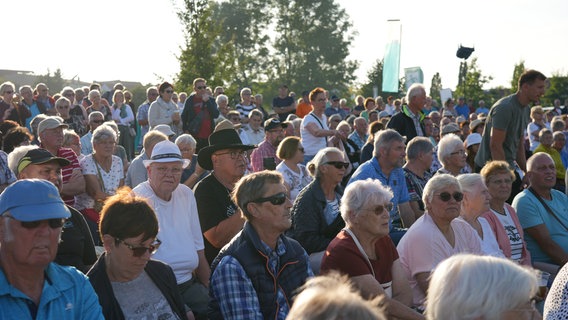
(218, 214)
(386, 166)
(359, 134)
(283, 104)
(258, 273)
(42, 95)
(142, 114)
(409, 122)
(180, 232)
(304, 107)
(50, 131)
(543, 213)
(335, 108)
(264, 157)
(35, 107)
(508, 118)
(462, 109)
(199, 113)
(31, 285)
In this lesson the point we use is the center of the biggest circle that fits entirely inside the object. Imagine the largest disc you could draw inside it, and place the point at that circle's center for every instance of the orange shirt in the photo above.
(303, 109)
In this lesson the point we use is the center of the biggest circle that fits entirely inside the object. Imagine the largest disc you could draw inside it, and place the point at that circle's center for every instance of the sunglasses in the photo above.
(53, 223)
(169, 91)
(276, 199)
(378, 210)
(446, 196)
(201, 87)
(140, 251)
(338, 164)
(98, 121)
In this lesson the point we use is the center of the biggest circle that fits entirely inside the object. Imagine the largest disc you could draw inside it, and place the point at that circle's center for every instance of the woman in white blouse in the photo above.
(295, 174)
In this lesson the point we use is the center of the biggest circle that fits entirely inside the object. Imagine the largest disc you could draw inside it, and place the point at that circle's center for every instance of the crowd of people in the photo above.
(189, 207)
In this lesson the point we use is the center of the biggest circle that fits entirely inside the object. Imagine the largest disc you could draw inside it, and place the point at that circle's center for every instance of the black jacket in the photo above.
(189, 114)
(404, 125)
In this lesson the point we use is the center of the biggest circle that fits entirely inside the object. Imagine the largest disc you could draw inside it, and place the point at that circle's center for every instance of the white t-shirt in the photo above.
(489, 244)
(111, 179)
(532, 127)
(512, 232)
(180, 231)
(295, 181)
(313, 144)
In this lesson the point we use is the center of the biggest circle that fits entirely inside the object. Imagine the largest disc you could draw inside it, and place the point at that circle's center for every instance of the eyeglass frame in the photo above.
(152, 248)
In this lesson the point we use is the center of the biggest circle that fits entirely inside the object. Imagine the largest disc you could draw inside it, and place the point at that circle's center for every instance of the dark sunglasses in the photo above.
(338, 164)
(98, 121)
(201, 87)
(53, 223)
(169, 91)
(140, 251)
(276, 199)
(378, 210)
(446, 196)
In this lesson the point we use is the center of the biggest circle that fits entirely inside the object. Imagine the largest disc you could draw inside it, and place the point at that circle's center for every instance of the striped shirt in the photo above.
(67, 171)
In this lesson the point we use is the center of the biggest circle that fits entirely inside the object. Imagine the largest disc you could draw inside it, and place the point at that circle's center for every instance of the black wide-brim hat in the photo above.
(219, 140)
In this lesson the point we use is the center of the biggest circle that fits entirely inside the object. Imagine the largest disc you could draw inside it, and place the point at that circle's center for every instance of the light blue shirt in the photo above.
(66, 294)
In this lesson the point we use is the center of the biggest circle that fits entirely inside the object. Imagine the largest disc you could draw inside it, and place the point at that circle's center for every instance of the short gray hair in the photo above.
(186, 139)
(468, 181)
(320, 159)
(252, 187)
(417, 146)
(221, 97)
(103, 132)
(361, 192)
(437, 183)
(414, 90)
(16, 155)
(447, 145)
(499, 285)
(93, 114)
(384, 139)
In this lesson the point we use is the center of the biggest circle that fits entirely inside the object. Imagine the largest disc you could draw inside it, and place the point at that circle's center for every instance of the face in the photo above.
(394, 155)
(535, 90)
(457, 158)
(344, 130)
(63, 109)
(75, 144)
(559, 142)
(361, 126)
(246, 97)
(152, 95)
(26, 94)
(167, 94)
(426, 158)
(200, 88)
(186, 150)
(42, 91)
(69, 94)
(235, 118)
(258, 101)
(165, 176)
(373, 219)
(52, 138)
(428, 127)
(333, 123)
(223, 107)
(119, 98)
(542, 175)
(299, 155)
(219, 91)
(272, 217)
(546, 139)
(283, 91)
(275, 136)
(104, 147)
(95, 98)
(122, 259)
(500, 186)
(442, 211)
(50, 171)
(24, 247)
(127, 96)
(330, 171)
(418, 101)
(96, 122)
(230, 162)
(319, 101)
(8, 94)
(435, 118)
(478, 199)
(254, 122)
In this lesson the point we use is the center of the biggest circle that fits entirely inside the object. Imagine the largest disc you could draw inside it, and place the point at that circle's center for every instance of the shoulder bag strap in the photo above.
(547, 207)
(321, 125)
(361, 249)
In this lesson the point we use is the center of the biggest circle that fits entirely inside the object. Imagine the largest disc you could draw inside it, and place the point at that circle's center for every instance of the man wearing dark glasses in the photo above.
(31, 285)
(199, 113)
(257, 274)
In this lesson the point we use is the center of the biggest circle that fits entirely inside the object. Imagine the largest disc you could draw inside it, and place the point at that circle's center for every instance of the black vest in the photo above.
(246, 247)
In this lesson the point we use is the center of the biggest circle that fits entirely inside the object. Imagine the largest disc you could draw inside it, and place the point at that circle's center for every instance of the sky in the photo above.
(132, 40)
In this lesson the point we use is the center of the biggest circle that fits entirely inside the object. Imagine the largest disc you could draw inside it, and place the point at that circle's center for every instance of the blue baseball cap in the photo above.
(33, 200)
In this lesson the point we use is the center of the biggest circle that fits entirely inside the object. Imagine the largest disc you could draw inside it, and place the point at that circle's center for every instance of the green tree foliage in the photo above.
(436, 86)
(558, 89)
(471, 86)
(312, 44)
(518, 70)
(54, 82)
(374, 79)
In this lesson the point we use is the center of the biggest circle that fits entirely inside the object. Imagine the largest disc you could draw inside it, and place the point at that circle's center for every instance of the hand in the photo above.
(205, 97)
(525, 182)
(199, 170)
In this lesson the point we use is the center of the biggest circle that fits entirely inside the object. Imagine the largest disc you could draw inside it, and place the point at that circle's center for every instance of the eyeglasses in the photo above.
(501, 181)
(141, 250)
(235, 154)
(63, 107)
(201, 87)
(276, 199)
(338, 164)
(165, 170)
(169, 91)
(98, 121)
(302, 150)
(446, 196)
(461, 153)
(53, 223)
(378, 210)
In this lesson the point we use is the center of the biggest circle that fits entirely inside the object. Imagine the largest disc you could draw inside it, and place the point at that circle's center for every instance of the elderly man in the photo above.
(258, 273)
(264, 157)
(199, 113)
(419, 156)
(180, 232)
(386, 166)
(283, 104)
(253, 133)
(137, 172)
(31, 285)
(76, 247)
(543, 213)
(142, 113)
(35, 107)
(409, 122)
(359, 134)
(226, 157)
(96, 118)
(50, 131)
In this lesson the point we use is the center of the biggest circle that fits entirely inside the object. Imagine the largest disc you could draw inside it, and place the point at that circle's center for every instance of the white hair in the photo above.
(437, 183)
(447, 145)
(361, 192)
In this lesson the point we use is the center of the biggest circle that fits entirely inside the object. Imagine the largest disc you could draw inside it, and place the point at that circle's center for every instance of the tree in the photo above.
(374, 79)
(472, 87)
(558, 89)
(519, 69)
(312, 44)
(203, 56)
(54, 82)
(435, 87)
